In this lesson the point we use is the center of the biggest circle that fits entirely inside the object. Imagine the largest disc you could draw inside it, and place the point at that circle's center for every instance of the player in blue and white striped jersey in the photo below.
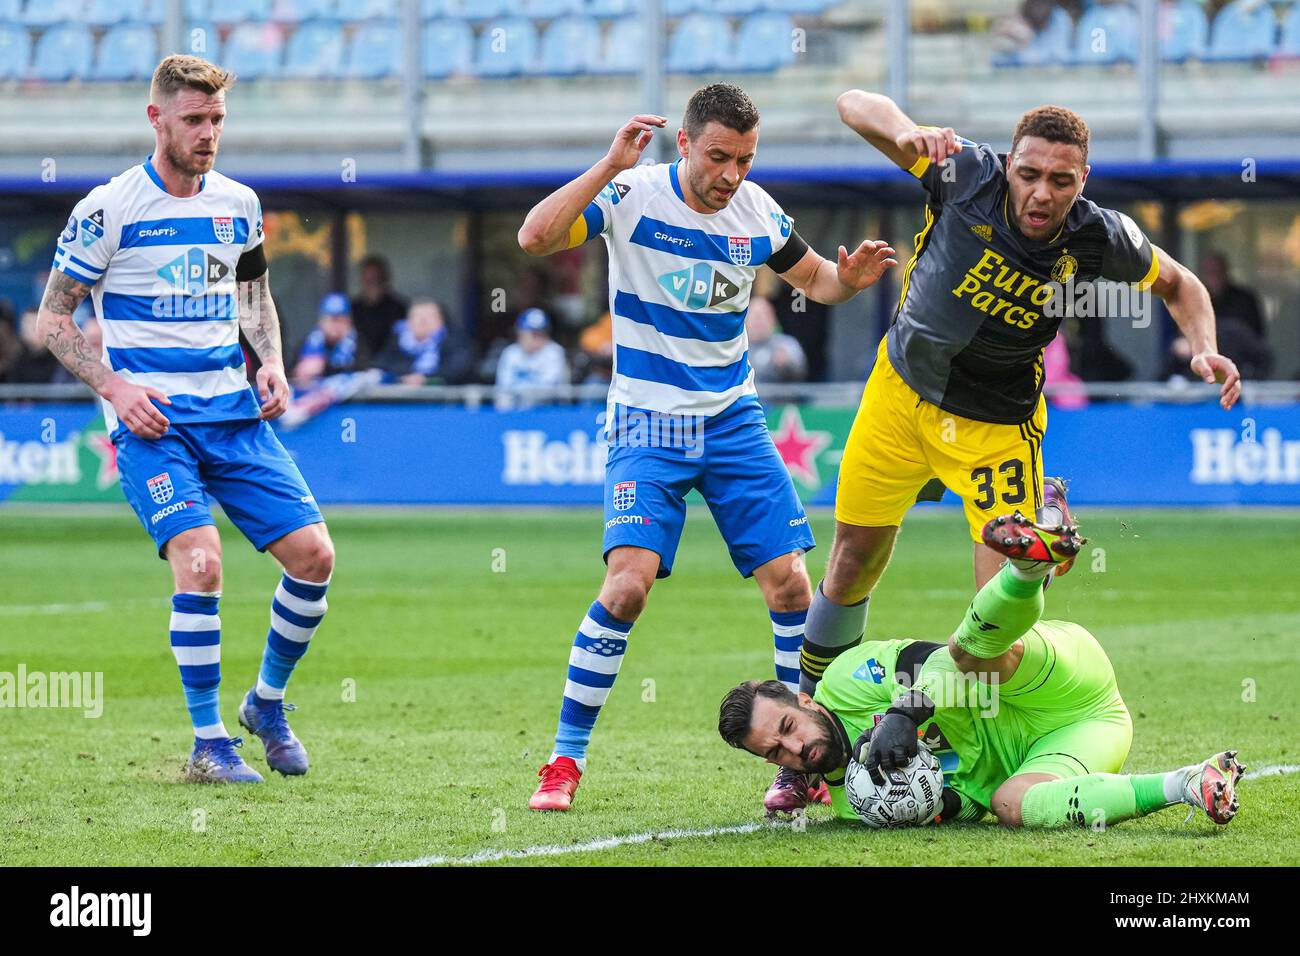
(685, 240)
(171, 253)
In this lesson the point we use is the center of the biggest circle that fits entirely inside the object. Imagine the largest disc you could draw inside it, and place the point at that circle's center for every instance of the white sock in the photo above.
(1029, 570)
(1174, 781)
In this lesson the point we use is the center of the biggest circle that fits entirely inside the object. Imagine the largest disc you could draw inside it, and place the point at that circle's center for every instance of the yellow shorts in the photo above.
(900, 442)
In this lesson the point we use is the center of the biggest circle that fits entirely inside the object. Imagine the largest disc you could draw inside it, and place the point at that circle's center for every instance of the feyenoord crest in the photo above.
(1065, 268)
(739, 249)
(224, 227)
(160, 488)
(624, 495)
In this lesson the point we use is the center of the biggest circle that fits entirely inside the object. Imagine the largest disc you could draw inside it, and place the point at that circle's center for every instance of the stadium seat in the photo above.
(569, 47)
(11, 11)
(106, 13)
(314, 50)
(679, 8)
(1051, 45)
(128, 51)
(1183, 31)
(44, 13)
(1243, 30)
(701, 42)
(448, 49)
(1289, 45)
(548, 9)
(375, 52)
(797, 6)
(1107, 34)
(226, 12)
(733, 8)
(764, 43)
(480, 9)
(354, 10)
(605, 9)
(15, 51)
(297, 11)
(507, 53)
(623, 48)
(201, 38)
(63, 52)
(253, 51)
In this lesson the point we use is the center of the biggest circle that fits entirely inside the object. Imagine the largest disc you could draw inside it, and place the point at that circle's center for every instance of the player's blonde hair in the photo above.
(182, 71)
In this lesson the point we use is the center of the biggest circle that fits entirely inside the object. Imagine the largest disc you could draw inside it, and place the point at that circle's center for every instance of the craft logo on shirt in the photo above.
(224, 228)
(92, 227)
(160, 488)
(699, 286)
(740, 249)
(624, 495)
(193, 271)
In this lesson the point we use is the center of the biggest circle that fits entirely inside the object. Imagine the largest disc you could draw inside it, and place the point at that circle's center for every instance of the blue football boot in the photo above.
(214, 761)
(284, 751)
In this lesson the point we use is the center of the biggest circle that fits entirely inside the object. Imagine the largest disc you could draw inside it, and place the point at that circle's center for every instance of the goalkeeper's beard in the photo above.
(832, 756)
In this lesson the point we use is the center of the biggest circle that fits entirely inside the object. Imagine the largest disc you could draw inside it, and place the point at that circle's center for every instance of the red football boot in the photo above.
(1022, 540)
(559, 780)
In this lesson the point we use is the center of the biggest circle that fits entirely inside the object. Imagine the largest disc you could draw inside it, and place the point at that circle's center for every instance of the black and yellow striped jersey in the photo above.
(974, 316)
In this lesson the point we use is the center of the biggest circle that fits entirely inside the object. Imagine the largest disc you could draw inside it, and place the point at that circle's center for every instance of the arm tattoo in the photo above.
(259, 320)
(62, 337)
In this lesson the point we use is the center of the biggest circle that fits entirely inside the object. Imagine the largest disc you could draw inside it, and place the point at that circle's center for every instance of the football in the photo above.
(909, 797)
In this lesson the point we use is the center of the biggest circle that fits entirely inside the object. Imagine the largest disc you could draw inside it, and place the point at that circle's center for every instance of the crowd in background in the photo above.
(418, 342)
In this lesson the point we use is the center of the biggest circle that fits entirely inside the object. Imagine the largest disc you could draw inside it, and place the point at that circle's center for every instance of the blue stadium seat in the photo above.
(701, 42)
(764, 43)
(480, 9)
(44, 13)
(509, 53)
(1184, 33)
(607, 8)
(623, 49)
(797, 6)
(448, 49)
(368, 10)
(735, 7)
(11, 11)
(1107, 34)
(297, 11)
(1243, 31)
(106, 13)
(375, 53)
(226, 12)
(548, 9)
(1051, 45)
(253, 51)
(128, 51)
(679, 8)
(314, 50)
(15, 51)
(63, 52)
(569, 46)
(201, 38)
(1289, 45)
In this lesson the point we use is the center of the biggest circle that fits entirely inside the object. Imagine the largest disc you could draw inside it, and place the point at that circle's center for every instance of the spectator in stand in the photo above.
(597, 358)
(534, 361)
(1066, 387)
(332, 347)
(1239, 325)
(376, 308)
(35, 364)
(775, 356)
(11, 346)
(1230, 301)
(422, 350)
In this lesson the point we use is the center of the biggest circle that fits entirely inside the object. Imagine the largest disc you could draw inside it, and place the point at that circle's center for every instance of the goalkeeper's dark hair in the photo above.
(720, 103)
(1055, 124)
(737, 710)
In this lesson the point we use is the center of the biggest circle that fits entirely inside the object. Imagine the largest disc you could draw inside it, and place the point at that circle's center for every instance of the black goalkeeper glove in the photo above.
(891, 744)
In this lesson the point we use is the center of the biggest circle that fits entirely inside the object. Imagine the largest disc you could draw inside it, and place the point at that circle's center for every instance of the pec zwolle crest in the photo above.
(624, 495)
(740, 250)
(160, 488)
(224, 227)
(1065, 268)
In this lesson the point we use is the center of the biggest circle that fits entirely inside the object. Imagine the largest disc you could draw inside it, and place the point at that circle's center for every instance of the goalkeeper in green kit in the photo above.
(1024, 715)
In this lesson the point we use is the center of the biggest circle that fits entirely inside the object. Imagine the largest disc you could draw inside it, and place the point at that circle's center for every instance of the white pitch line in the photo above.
(559, 849)
(1273, 770)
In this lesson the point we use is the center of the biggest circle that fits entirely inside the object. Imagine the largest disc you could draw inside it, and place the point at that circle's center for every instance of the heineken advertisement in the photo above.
(1113, 454)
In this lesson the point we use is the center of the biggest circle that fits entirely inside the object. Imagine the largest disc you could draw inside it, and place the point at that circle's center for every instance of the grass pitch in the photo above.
(429, 697)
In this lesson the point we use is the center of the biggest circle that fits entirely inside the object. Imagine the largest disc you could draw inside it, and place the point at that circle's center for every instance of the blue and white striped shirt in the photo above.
(679, 285)
(162, 272)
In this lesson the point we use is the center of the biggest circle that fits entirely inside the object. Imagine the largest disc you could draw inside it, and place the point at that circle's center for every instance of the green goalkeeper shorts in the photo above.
(1063, 705)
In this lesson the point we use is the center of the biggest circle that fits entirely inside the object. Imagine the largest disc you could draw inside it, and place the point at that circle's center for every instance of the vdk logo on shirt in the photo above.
(871, 671)
(193, 271)
(699, 286)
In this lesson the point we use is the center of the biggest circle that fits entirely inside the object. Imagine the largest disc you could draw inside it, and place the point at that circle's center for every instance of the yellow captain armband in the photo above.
(1148, 280)
(577, 232)
(919, 167)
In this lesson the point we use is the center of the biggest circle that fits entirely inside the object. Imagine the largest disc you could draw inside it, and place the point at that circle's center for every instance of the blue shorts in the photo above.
(170, 481)
(736, 468)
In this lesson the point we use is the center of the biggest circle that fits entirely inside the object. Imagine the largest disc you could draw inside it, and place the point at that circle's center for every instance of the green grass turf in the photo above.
(458, 671)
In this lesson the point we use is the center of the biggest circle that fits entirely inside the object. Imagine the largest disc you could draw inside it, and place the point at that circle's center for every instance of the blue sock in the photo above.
(196, 644)
(787, 633)
(594, 661)
(296, 612)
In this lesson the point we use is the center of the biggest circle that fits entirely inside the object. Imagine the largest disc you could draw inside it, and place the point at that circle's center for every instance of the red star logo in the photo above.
(799, 449)
(102, 446)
